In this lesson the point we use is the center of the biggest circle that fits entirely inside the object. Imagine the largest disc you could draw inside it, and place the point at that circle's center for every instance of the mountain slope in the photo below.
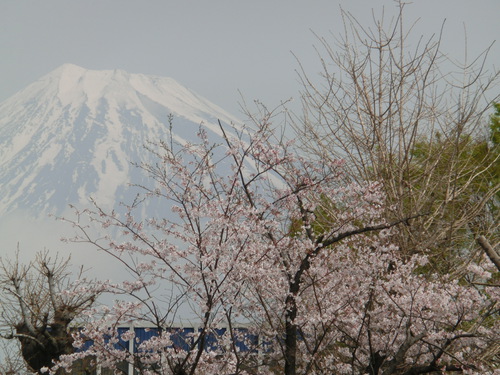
(73, 133)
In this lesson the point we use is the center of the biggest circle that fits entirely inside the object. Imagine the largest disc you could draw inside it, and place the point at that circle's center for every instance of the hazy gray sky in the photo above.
(213, 47)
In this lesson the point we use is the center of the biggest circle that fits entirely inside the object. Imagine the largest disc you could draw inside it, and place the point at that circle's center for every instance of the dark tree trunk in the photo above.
(291, 332)
(44, 346)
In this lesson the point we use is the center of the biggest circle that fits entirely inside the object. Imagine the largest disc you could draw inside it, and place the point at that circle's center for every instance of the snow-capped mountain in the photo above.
(73, 133)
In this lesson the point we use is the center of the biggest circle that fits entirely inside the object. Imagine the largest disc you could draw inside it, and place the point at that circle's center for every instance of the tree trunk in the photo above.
(290, 334)
(489, 250)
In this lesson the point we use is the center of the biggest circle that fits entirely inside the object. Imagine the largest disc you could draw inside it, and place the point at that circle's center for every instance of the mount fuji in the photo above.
(73, 133)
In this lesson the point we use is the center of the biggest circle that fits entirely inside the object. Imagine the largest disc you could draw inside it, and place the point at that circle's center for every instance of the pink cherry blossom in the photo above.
(260, 238)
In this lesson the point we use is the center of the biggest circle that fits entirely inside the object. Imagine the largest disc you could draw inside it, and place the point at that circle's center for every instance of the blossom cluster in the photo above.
(261, 237)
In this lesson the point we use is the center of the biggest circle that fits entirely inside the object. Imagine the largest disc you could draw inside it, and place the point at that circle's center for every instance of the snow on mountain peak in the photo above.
(76, 84)
(72, 134)
(79, 85)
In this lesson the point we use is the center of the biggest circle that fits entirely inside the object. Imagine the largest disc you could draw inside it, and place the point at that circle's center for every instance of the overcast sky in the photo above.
(216, 48)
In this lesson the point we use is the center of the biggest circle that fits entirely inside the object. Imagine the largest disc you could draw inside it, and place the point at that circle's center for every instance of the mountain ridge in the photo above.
(73, 133)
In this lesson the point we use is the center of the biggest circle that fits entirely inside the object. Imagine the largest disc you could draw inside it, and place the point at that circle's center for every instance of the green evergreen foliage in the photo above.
(470, 171)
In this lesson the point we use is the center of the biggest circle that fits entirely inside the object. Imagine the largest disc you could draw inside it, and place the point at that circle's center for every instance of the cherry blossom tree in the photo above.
(291, 249)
